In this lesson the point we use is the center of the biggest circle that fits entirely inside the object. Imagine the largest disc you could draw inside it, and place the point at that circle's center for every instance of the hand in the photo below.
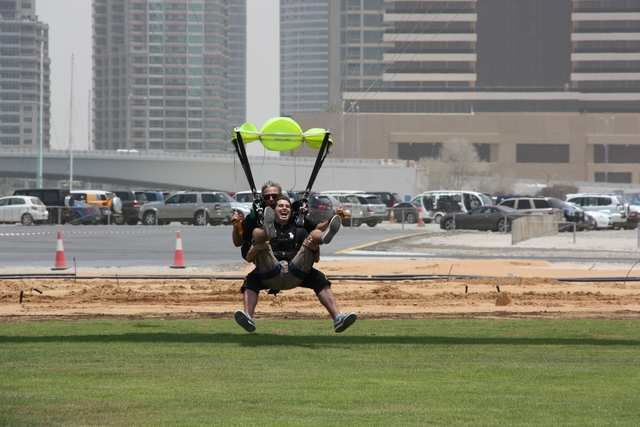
(237, 217)
(340, 212)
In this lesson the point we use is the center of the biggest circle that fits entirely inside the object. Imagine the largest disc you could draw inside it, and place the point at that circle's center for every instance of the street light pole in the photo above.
(39, 177)
(71, 127)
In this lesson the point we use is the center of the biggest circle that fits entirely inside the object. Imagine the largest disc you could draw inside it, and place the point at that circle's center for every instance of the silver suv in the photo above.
(197, 208)
(609, 204)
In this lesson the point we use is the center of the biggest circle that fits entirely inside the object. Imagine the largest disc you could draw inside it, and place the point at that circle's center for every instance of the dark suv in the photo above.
(131, 203)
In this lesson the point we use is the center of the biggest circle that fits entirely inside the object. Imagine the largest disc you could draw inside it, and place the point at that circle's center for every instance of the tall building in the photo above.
(506, 55)
(237, 70)
(543, 89)
(162, 73)
(24, 52)
(304, 55)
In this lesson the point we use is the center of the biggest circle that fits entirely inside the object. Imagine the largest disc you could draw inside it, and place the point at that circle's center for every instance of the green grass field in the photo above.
(293, 372)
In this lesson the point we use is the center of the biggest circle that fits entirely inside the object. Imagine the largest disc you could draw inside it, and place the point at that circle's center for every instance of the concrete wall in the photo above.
(215, 172)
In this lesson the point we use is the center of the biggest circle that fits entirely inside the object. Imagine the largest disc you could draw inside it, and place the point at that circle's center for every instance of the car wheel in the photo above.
(437, 218)
(118, 220)
(26, 219)
(449, 224)
(200, 218)
(149, 218)
(372, 223)
(410, 218)
(503, 226)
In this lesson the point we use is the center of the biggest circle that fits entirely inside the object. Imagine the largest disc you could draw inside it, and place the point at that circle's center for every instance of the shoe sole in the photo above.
(244, 321)
(332, 230)
(269, 218)
(346, 322)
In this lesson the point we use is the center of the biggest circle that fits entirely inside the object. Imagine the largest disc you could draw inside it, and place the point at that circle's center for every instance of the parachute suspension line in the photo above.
(295, 170)
(244, 162)
(322, 154)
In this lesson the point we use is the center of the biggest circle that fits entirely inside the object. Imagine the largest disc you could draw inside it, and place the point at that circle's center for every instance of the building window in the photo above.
(613, 177)
(542, 153)
(616, 153)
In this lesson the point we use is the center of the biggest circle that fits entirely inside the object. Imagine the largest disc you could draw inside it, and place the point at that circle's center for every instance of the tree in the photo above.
(457, 167)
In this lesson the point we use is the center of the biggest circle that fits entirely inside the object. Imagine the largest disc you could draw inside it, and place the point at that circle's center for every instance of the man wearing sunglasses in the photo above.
(284, 253)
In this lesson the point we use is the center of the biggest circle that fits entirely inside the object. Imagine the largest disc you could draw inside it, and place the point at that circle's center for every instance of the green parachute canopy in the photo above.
(281, 134)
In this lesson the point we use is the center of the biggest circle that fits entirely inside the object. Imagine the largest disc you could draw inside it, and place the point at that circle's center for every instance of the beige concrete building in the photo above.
(558, 147)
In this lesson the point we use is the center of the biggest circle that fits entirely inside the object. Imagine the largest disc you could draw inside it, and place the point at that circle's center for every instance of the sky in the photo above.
(70, 34)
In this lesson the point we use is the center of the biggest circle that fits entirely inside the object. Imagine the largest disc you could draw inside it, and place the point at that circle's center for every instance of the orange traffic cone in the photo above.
(178, 258)
(61, 263)
(419, 220)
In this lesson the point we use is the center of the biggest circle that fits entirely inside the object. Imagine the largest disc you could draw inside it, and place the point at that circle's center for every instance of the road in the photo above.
(131, 246)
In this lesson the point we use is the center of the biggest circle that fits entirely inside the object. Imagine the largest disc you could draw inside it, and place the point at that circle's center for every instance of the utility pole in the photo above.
(39, 177)
(71, 127)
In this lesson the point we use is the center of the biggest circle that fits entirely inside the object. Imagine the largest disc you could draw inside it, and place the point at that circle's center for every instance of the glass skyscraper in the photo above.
(162, 73)
(22, 40)
(460, 56)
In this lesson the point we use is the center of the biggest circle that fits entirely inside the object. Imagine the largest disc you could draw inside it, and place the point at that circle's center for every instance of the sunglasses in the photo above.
(271, 196)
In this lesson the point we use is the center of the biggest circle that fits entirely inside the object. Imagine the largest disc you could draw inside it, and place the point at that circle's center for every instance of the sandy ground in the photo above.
(509, 288)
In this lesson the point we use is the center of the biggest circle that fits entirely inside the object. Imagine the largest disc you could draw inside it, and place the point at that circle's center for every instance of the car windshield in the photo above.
(486, 200)
(244, 197)
(227, 198)
(632, 198)
(125, 195)
(373, 200)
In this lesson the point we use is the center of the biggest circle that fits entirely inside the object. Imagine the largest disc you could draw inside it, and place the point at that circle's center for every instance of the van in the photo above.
(436, 204)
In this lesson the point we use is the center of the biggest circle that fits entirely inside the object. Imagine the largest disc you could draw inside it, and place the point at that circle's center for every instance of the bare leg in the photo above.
(250, 302)
(327, 299)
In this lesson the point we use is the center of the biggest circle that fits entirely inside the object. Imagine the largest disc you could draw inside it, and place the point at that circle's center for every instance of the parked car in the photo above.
(131, 204)
(537, 205)
(610, 204)
(198, 208)
(494, 218)
(406, 212)
(374, 210)
(26, 210)
(109, 204)
(53, 199)
(244, 201)
(354, 211)
(571, 214)
(436, 204)
(149, 196)
(321, 206)
(388, 198)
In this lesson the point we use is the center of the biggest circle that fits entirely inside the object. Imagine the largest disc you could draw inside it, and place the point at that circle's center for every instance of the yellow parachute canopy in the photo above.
(281, 134)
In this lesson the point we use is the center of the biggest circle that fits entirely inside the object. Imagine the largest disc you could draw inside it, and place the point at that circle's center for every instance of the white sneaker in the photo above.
(332, 229)
(244, 320)
(343, 321)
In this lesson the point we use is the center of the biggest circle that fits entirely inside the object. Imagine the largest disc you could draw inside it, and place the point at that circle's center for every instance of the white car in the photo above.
(598, 220)
(26, 210)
